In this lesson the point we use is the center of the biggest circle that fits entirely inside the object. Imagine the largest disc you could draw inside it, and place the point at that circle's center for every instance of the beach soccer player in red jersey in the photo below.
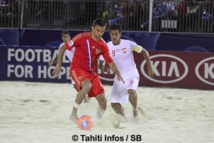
(88, 48)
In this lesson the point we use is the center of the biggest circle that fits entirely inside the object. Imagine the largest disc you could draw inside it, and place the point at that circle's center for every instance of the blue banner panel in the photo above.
(150, 41)
(49, 38)
(29, 63)
(52, 38)
(172, 69)
(185, 42)
(9, 37)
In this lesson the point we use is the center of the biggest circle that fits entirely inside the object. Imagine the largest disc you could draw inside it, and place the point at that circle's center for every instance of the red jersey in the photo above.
(87, 51)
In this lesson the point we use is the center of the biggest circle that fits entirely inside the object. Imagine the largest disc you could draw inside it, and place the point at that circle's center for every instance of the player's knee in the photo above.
(102, 101)
(103, 105)
(133, 98)
(105, 102)
(89, 85)
(115, 105)
(86, 85)
(131, 92)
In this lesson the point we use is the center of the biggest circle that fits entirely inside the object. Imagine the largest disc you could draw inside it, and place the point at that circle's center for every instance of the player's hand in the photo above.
(106, 69)
(151, 73)
(56, 71)
(120, 78)
(50, 63)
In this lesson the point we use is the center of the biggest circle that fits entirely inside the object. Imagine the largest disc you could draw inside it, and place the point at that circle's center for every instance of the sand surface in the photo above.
(38, 113)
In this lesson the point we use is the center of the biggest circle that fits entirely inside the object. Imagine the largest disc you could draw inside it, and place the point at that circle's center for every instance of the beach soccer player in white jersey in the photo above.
(121, 51)
(66, 37)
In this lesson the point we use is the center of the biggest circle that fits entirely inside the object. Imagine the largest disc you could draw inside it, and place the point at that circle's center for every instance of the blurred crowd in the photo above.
(166, 15)
(8, 13)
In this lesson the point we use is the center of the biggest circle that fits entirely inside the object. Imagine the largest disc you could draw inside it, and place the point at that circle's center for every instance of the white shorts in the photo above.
(119, 92)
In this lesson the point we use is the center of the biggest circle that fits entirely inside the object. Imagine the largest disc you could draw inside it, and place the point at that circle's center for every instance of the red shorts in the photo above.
(79, 75)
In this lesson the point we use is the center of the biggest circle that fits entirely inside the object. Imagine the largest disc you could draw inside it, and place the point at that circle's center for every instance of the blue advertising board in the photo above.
(30, 63)
(150, 41)
(9, 37)
(185, 42)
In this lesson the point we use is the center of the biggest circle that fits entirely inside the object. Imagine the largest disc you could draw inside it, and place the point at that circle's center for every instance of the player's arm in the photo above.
(59, 61)
(148, 62)
(144, 52)
(53, 61)
(68, 45)
(101, 65)
(114, 68)
(55, 58)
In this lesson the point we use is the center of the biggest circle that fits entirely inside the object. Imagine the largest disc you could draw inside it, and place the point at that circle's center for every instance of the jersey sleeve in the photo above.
(106, 55)
(69, 45)
(135, 47)
(60, 46)
(73, 42)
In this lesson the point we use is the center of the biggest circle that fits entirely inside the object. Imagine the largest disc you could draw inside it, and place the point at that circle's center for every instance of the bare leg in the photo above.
(86, 98)
(133, 100)
(75, 87)
(101, 99)
(118, 108)
(86, 86)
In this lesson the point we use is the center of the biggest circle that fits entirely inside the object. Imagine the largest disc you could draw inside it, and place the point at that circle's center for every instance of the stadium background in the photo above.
(181, 46)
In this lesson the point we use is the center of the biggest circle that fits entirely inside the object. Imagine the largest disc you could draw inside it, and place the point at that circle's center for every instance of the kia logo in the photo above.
(204, 70)
(167, 68)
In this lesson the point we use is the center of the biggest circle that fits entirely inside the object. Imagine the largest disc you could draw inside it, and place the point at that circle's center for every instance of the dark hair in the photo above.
(116, 27)
(100, 22)
(65, 32)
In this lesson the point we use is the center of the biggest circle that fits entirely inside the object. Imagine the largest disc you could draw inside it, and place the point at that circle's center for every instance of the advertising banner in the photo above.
(172, 69)
(31, 64)
(9, 36)
(150, 41)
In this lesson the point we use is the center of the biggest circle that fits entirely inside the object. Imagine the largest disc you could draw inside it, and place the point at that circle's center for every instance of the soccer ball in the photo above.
(85, 122)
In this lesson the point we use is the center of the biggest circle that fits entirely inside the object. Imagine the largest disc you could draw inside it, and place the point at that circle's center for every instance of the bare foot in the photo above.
(119, 122)
(135, 113)
(124, 119)
(100, 113)
(141, 111)
(74, 118)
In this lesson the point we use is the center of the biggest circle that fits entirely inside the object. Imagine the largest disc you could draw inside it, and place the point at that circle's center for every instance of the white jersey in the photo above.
(123, 57)
(122, 54)
(69, 54)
